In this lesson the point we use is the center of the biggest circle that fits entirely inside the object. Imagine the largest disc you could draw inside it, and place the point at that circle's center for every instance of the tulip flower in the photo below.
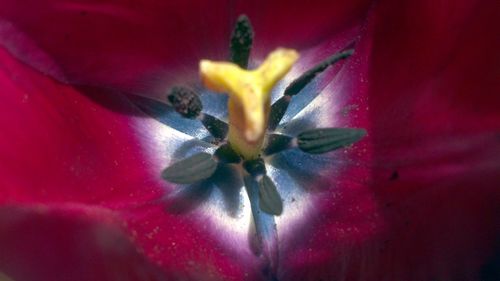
(89, 129)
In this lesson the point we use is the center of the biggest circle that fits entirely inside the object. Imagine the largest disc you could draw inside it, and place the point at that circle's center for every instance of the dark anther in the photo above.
(241, 41)
(217, 128)
(269, 199)
(277, 112)
(319, 141)
(192, 169)
(276, 143)
(298, 84)
(255, 167)
(226, 154)
(279, 108)
(185, 101)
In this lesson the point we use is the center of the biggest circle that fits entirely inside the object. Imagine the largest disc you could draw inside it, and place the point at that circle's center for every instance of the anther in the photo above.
(188, 104)
(298, 84)
(241, 41)
(277, 143)
(279, 108)
(185, 101)
(317, 141)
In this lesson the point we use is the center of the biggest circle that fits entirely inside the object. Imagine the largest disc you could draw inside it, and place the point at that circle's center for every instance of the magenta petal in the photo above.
(416, 200)
(435, 117)
(60, 146)
(68, 243)
(419, 201)
(142, 48)
(63, 148)
(119, 44)
(298, 24)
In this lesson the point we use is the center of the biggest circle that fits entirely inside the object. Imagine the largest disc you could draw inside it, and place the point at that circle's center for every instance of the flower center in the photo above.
(249, 96)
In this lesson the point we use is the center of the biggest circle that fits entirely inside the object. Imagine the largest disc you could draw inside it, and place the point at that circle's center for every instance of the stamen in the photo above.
(185, 101)
(319, 141)
(241, 41)
(279, 108)
(217, 128)
(298, 84)
(277, 112)
(269, 199)
(188, 104)
(199, 166)
(277, 143)
(225, 154)
(190, 170)
(255, 167)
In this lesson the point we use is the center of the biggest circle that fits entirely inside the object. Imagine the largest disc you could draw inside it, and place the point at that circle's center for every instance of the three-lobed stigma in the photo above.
(249, 96)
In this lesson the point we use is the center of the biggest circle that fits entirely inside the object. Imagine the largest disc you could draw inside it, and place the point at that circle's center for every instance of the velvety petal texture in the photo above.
(68, 243)
(425, 205)
(60, 146)
(87, 154)
(417, 199)
(142, 47)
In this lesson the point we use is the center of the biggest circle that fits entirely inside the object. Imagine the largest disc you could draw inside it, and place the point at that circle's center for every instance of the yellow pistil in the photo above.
(249, 96)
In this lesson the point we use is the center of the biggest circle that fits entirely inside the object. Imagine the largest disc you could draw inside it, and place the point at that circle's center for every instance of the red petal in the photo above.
(426, 207)
(62, 147)
(298, 24)
(144, 47)
(68, 243)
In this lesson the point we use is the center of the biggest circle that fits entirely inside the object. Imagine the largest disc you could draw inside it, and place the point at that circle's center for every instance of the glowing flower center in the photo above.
(249, 96)
(251, 118)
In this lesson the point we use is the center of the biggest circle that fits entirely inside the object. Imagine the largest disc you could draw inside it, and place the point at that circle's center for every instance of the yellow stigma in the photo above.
(249, 96)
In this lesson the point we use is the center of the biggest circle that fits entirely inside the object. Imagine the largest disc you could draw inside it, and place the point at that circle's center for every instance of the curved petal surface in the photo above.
(425, 204)
(60, 146)
(72, 243)
(413, 83)
(144, 47)
(63, 147)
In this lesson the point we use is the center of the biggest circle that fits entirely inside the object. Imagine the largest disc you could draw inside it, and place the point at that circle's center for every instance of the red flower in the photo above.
(80, 163)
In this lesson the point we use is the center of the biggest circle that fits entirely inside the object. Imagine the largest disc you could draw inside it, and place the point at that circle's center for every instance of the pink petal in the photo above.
(423, 90)
(298, 24)
(426, 207)
(68, 243)
(145, 47)
(60, 147)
